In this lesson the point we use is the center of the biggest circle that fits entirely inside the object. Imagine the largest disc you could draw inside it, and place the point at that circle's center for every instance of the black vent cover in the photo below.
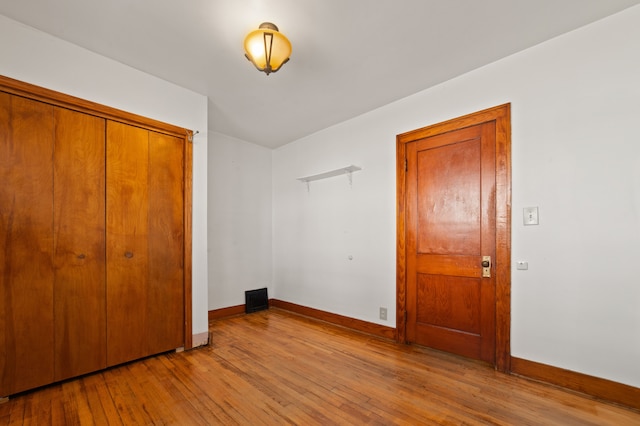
(256, 300)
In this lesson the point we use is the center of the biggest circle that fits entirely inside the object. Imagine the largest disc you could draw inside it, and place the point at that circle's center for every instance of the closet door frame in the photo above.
(30, 91)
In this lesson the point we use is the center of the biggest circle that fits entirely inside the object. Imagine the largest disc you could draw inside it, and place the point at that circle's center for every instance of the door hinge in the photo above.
(406, 165)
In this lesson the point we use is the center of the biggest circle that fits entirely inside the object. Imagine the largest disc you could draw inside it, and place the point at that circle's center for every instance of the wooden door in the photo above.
(450, 227)
(145, 243)
(26, 244)
(166, 243)
(454, 207)
(79, 243)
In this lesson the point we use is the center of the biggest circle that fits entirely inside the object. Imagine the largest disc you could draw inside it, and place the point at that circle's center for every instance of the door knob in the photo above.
(486, 266)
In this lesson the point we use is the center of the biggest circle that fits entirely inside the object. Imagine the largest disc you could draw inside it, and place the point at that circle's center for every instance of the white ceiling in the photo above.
(349, 56)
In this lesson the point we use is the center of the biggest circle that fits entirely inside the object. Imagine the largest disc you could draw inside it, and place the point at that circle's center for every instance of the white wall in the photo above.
(38, 58)
(317, 230)
(239, 220)
(576, 155)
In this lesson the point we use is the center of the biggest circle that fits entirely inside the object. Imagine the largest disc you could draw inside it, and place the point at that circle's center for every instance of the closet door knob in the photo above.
(128, 254)
(81, 256)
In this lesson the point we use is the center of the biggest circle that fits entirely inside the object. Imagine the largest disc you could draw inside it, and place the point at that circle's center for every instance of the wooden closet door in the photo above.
(145, 291)
(26, 244)
(79, 203)
(166, 243)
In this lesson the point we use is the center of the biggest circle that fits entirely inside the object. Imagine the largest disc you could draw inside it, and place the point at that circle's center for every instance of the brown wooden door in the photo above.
(79, 243)
(26, 244)
(450, 227)
(166, 242)
(145, 291)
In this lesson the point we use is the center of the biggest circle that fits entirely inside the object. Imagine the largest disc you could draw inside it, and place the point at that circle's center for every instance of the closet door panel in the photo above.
(26, 244)
(79, 241)
(127, 242)
(166, 236)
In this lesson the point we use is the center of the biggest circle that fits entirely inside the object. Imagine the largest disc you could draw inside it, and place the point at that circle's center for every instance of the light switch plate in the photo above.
(530, 215)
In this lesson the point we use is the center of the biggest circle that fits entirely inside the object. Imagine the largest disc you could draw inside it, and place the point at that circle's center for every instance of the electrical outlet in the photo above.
(383, 314)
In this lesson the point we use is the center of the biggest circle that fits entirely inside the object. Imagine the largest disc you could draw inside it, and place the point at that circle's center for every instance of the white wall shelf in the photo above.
(331, 173)
(337, 172)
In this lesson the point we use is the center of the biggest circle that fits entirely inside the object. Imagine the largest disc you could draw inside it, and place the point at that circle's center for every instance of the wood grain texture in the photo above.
(352, 323)
(165, 315)
(127, 228)
(401, 242)
(26, 244)
(70, 207)
(501, 117)
(599, 388)
(449, 302)
(145, 243)
(79, 242)
(51, 97)
(188, 238)
(274, 367)
(227, 312)
(448, 196)
(450, 225)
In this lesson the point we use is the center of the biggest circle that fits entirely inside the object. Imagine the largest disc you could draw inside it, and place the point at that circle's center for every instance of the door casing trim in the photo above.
(501, 115)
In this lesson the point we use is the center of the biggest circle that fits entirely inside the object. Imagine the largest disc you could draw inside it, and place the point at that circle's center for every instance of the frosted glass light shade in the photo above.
(267, 48)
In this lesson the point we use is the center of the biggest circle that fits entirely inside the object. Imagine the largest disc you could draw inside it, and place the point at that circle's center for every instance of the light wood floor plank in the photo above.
(277, 368)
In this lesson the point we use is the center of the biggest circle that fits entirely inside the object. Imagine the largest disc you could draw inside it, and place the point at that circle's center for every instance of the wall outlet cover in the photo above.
(530, 215)
(383, 313)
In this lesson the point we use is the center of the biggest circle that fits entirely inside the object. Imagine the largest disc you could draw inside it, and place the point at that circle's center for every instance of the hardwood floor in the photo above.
(274, 367)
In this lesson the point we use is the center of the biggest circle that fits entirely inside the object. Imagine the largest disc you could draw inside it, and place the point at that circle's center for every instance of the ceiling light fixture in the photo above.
(267, 48)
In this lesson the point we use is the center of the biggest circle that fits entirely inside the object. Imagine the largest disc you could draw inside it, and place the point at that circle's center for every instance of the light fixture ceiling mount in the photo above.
(267, 48)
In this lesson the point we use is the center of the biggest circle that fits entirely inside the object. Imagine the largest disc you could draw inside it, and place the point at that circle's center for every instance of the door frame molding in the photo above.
(501, 115)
